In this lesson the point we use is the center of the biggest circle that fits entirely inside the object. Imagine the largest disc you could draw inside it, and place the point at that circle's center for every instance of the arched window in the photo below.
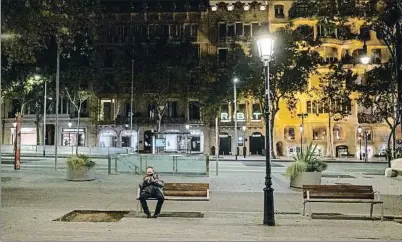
(319, 133)
(338, 133)
(305, 31)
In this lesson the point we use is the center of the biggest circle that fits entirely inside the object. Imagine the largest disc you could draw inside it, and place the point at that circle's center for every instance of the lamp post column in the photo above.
(269, 216)
(235, 116)
(44, 122)
(365, 146)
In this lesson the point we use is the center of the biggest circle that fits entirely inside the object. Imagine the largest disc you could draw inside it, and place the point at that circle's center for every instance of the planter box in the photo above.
(305, 178)
(83, 174)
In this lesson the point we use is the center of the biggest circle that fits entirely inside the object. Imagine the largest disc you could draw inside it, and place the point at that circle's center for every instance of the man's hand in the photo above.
(152, 179)
(147, 179)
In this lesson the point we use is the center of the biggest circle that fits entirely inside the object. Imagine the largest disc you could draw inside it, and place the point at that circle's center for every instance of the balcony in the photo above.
(147, 120)
(367, 118)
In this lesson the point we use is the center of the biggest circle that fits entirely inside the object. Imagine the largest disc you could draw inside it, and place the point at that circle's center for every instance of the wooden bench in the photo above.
(341, 194)
(181, 192)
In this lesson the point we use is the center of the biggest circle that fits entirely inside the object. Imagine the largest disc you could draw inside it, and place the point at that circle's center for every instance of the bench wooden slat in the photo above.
(337, 187)
(181, 198)
(186, 186)
(339, 195)
(185, 193)
(343, 201)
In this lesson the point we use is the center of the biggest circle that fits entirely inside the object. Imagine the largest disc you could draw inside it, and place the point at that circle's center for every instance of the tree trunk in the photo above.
(78, 133)
(159, 122)
(330, 148)
(390, 152)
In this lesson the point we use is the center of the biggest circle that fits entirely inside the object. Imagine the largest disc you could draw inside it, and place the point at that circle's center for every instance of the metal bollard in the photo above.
(109, 165)
(115, 164)
(207, 164)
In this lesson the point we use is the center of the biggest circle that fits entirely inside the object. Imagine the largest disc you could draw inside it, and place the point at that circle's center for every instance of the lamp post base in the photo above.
(269, 211)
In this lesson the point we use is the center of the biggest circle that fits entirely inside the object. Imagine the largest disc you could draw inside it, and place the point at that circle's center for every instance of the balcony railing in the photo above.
(147, 120)
(367, 118)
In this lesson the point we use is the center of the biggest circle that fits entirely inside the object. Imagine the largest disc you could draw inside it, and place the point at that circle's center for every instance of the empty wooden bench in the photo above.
(182, 192)
(341, 194)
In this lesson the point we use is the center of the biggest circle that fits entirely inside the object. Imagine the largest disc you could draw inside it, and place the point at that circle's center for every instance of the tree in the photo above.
(335, 96)
(379, 92)
(292, 64)
(77, 97)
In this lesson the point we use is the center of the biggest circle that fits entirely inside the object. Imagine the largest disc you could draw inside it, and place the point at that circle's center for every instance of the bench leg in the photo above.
(138, 208)
(304, 208)
(309, 209)
(382, 212)
(371, 210)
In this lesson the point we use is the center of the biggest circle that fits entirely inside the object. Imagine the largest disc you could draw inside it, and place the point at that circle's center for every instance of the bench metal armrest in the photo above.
(138, 193)
(378, 196)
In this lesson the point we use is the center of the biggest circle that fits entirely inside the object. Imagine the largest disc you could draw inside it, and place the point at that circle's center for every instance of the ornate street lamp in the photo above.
(265, 45)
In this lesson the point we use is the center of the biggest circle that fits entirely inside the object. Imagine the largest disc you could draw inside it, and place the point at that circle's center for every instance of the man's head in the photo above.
(150, 171)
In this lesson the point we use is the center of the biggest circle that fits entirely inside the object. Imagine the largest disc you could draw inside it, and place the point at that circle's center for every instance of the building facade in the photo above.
(211, 26)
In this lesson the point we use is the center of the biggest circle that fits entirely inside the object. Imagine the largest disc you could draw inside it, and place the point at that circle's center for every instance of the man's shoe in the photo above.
(155, 216)
(149, 216)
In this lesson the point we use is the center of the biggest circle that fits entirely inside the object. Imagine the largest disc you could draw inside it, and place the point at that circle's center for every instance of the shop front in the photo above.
(129, 138)
(108, 138)
(69, 137)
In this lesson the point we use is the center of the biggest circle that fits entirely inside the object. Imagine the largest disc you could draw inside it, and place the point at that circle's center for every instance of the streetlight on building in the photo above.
(235, 80)
(359, 130)
(69, 136)
(265, 45)
(301, 138)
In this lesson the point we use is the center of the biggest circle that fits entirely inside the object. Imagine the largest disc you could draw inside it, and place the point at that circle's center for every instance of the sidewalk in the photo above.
(31, 199)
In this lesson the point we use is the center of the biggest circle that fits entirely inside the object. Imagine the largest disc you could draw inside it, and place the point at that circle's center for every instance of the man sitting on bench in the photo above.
(151, 186)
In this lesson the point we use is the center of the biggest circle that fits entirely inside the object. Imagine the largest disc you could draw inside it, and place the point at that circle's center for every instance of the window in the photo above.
(172, 109)
(376, 56)
(289, 133)
(127, 109)
(256, 112)
(152, 111)
(247, 30)
(326, 31)
(241, 112)
(222, 55)
(109, 55)
(279, 11)
(194, 30)
(337, 133)
(176, 30)
(255, 29)
(222, 32)
(365, 133)
(364, 33)
(194, 111)
(225, 113)
(239, 29)
(165, 31)
(319, 134)
(231, 30)
(187, 30)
